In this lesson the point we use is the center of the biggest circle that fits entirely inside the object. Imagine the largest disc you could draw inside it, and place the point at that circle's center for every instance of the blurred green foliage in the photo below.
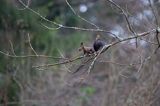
(18, 23)
(88, 91)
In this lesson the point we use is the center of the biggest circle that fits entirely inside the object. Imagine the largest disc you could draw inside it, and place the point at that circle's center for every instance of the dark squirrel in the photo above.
(86, 50)
(98, 43)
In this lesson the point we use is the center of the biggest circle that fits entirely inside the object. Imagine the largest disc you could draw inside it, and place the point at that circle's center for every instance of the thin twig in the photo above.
(29, 41)
(27, 5)
(58, 26)
(106, 47)
(27, 56)
(141, 62)
(157, 38)
(126, 18)
(64, 64)
(102, 50)
(116, 63)
(154, 13)
(60, 63)
(156, 22)
(97, 55)
(82, 65)
(79, 15)
(12, 48)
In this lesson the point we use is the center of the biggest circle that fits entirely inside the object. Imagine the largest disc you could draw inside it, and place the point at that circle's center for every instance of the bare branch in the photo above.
(12, 48)
(156, 22)
(58, 26)
(157, 38)
(83, 64)
(27, 5)
(97, 55)
(30, 56)
(141, 62)
(106, 47)
(154, 12)
(126, 18)
(125, 14)
(60, 63)
(29, 41)
(79, 15)
(64, 64)
(120, 64)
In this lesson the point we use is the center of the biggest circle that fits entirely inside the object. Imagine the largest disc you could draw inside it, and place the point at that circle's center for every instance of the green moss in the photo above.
(88, 91)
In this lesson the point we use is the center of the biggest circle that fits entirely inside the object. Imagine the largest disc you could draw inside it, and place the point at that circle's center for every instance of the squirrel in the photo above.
(86, 50)
(98, 43)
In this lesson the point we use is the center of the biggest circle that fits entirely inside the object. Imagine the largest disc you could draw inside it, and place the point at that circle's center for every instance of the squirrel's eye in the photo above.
(80, 49)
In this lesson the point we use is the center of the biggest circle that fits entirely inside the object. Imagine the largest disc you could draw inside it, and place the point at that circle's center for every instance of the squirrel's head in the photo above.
(97, 37)
(81, 46)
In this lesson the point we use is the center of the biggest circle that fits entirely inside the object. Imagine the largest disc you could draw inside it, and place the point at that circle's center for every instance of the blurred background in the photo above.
(125, 75)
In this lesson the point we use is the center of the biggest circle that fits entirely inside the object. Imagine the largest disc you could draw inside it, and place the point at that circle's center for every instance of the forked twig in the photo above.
(58, 26)
(126, 18)
(97, 55)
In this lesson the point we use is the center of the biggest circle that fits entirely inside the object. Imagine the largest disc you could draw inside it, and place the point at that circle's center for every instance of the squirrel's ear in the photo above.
(97, 37)
(81, 43)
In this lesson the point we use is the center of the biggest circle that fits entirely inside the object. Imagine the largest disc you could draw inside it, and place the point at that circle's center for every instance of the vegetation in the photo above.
(40, 64)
